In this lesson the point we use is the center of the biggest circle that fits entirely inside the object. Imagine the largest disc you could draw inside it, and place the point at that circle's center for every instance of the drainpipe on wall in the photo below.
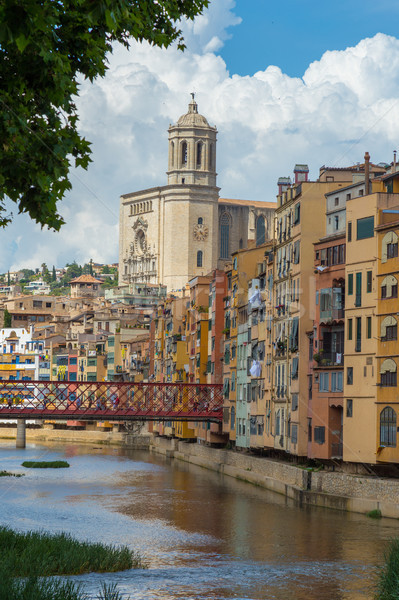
(367, 173)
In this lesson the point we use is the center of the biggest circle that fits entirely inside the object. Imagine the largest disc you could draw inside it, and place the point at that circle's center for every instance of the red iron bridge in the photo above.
(111, 401)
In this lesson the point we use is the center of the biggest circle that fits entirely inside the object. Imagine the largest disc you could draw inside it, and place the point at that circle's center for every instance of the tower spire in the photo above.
(193, 106)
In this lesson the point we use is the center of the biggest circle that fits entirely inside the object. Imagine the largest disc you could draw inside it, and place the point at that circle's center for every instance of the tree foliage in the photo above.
(44, 48)
(7, 319)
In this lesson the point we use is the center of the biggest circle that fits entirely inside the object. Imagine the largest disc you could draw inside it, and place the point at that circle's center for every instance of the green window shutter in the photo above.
(350, 284)
(365, 228)
(350, 329)
(358, 299)
(369, 328)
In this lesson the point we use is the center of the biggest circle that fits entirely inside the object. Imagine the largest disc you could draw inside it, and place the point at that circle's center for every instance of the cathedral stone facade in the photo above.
(172, 233)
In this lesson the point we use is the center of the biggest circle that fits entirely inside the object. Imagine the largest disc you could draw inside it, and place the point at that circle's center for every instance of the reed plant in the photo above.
(36, 588)
(42, 554)
(46, 464)
(387, 587)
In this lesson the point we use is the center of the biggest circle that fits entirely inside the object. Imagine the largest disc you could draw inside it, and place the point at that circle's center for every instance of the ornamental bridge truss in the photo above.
(111, 401)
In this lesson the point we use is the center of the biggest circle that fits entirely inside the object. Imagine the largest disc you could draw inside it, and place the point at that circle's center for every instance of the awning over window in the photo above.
(388, 366)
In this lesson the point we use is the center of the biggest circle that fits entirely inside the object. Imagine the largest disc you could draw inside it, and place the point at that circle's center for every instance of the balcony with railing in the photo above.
(337, 450)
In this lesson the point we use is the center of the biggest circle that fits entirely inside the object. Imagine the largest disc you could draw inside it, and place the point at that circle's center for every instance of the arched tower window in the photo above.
(172, 154)
(199, 155)
(210, 159)
(199, 258)
(241, 244)
(260, 230)
(224, 236)
(388, 427)
(184, 154)
(200, 220)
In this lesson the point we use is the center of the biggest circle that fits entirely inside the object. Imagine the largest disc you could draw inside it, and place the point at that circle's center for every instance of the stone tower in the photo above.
(190, 200)
(192, 150)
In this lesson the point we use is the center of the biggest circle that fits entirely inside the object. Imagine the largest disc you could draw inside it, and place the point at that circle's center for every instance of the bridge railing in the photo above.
(110, 400)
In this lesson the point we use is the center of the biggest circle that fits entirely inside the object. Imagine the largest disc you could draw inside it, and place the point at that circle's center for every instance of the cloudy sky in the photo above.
(283, 84)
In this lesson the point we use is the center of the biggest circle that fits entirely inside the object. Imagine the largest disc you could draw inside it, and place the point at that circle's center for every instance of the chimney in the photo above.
(301, 173)
(367, 173)
(283, 184)
(394, 161)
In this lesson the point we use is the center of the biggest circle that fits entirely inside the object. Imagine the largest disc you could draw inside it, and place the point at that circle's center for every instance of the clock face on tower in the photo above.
(200, 232)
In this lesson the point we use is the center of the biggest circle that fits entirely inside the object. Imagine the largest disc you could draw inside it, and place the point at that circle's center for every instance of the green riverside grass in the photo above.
(8, 474)
(38, 554)
(35, 588)
(45, 464)
(387, 587)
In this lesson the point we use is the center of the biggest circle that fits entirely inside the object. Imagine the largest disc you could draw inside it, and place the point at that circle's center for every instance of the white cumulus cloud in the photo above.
(344, 104)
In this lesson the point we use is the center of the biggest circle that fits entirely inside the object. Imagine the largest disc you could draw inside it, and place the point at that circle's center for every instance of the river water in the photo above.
(202, 534)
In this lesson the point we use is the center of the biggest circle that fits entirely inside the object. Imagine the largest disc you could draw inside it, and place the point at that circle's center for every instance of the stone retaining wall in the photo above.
(328, 489)
(139, 442)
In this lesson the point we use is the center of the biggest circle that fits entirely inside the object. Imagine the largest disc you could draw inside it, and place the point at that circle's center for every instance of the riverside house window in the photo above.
(319, 435)
(349, 408)
(388, 427)
(388, 373)
(365, 228)
(349, 375)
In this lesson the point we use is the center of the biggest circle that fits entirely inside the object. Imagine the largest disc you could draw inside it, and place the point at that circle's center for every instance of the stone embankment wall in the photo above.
(138, 442)
(334, 490)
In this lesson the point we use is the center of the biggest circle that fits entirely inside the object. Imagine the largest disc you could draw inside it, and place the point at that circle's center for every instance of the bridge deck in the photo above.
(110, 401)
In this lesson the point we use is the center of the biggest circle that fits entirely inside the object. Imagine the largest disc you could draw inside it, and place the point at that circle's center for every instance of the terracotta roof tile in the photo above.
(85, 279)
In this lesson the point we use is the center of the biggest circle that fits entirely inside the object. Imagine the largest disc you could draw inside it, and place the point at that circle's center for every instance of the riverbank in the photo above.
(334, 490)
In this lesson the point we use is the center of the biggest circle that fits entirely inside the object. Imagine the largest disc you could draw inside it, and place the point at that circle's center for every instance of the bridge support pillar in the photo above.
(21, 433)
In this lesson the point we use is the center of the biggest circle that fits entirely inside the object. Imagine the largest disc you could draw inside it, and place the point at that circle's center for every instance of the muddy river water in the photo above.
(202, 534)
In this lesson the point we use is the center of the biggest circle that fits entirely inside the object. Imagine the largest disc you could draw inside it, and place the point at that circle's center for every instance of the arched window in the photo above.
(389, 287)
(388, 427)
(199, 155)
(172, 154)
(260, 231)
(199, 258)
(210, 158)
(224, 236)
(200, 220)
(241, 244)
(388, 373)
(389, 248)
(389, 329)
(184, 154)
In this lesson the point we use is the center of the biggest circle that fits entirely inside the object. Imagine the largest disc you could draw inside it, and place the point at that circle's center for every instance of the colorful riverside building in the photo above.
(370, 296)
(247, 376)
(298, 226)
(327, 339)
(387, 232)
(217, 297)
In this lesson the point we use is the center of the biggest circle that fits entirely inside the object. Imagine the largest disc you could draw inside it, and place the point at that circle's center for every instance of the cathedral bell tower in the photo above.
(192, 150)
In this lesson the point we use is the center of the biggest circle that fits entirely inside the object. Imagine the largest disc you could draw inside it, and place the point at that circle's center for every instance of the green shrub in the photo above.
(374, 514)
(45, 464)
